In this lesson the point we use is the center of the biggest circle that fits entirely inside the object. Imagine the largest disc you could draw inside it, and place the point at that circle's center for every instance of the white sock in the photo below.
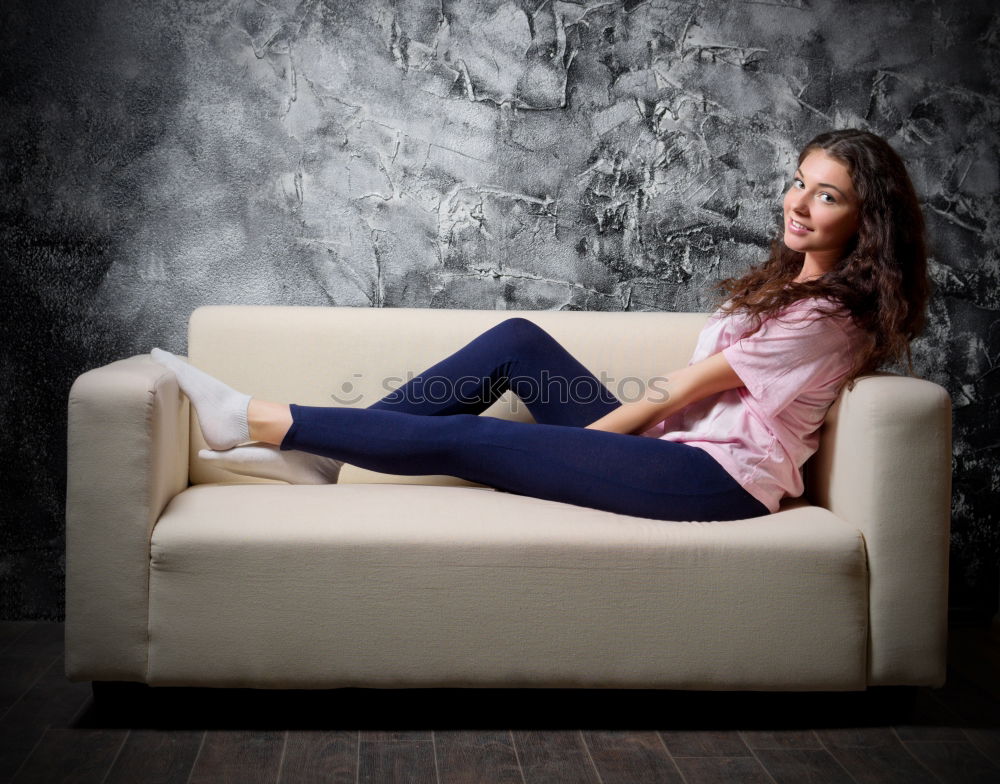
(222, 411)
(271, 462)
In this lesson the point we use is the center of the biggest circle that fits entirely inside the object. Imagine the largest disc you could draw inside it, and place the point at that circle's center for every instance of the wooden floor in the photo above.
(51, 730)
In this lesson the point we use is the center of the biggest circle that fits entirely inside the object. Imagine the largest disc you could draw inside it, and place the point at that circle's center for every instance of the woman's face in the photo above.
(822, 199)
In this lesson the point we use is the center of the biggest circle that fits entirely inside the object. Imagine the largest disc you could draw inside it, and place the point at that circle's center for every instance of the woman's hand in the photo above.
(666, 396)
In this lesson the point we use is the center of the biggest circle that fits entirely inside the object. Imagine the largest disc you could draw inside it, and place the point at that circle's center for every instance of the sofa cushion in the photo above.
(285, 586)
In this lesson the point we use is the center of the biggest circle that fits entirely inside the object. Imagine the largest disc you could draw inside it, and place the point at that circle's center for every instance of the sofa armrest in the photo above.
(127, 456)
(884, 466)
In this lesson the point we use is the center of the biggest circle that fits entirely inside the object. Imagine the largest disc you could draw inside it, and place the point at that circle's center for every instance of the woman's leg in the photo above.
(518, 355)
(628, 474)
(515, 354)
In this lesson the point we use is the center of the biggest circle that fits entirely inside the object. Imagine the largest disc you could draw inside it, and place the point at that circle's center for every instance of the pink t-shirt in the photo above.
(793, 368)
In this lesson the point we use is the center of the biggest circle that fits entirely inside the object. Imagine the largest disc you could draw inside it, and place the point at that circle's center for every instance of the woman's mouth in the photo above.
(797, 228)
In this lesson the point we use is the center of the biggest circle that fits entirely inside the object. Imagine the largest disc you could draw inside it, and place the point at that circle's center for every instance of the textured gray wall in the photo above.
(158, 156)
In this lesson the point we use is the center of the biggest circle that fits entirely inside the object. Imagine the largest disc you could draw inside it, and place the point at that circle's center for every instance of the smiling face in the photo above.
(821, 210)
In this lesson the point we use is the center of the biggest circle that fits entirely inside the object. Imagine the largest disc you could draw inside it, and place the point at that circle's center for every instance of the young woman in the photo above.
(844, 291)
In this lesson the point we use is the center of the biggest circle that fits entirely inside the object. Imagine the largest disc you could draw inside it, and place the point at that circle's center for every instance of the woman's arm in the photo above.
(666, 396)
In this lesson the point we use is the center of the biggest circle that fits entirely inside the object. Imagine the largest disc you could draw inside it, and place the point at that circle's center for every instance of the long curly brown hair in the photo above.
(881, 279)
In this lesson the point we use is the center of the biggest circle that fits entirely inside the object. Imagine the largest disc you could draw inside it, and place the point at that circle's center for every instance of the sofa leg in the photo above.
(117, 694)
(894, 704)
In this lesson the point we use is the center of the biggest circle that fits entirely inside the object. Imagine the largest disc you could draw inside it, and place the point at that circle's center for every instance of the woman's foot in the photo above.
(271, 462)
(222, 411)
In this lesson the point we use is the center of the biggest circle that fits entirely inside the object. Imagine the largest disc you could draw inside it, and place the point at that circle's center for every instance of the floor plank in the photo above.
(627, 756)
(794, 765)
(955, 763)
(156, 757)
(41, 638)
(987, 741)
(396, 762)
(18, 672)
(554, 756)
(51, 701)
(31, 653)
(476, 757)
(873, 755)
(857, 737)
(389, 736)
(722, 770)
(10, 631)
(705, 743)
(931, 720)
(71, 755)
(315, 756)
(968, 701)
(781, 739)
(885, 764)
(979, 712)
(53, 731)
(239, 757)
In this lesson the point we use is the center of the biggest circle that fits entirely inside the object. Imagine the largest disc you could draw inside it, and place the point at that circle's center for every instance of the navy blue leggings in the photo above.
(430, 425)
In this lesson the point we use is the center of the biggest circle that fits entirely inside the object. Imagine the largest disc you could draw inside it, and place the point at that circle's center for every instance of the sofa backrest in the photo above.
(325, 356)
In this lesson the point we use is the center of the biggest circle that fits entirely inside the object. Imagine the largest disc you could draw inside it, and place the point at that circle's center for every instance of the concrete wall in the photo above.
(158, 156)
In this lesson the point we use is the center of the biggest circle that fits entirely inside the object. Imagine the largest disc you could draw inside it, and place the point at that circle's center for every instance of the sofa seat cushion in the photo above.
(394, 586)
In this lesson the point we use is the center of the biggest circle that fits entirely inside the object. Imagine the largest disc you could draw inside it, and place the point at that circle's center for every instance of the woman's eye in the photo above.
(827, 198)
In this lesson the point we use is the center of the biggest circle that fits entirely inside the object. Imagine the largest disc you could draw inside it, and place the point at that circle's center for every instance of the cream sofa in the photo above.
(178, 573)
